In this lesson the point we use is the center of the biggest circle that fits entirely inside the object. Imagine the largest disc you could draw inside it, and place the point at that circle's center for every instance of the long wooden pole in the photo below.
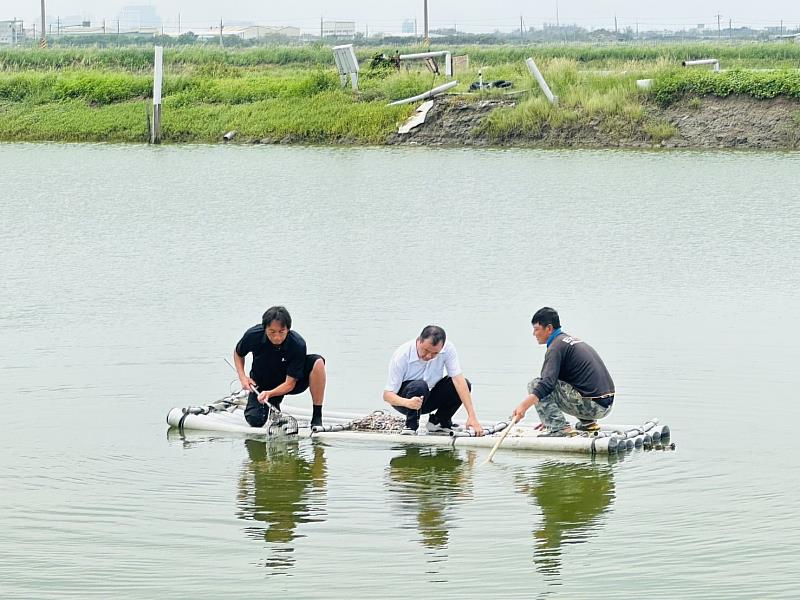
(500, 441)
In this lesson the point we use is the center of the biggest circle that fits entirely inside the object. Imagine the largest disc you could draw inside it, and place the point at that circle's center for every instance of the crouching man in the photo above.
(418, 385)
(574, 380)
(280, 366)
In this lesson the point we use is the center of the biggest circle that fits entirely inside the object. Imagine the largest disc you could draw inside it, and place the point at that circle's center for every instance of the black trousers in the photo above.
(443, 399)
(256, 413)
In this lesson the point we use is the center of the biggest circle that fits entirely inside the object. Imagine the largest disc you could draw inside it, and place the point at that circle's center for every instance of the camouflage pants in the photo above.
(565, 399)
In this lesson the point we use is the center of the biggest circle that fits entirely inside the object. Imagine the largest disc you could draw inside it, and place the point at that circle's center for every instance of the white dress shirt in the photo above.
(406, 364)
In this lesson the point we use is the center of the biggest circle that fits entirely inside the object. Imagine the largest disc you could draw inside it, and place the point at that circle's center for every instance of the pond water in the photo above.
(129, 273)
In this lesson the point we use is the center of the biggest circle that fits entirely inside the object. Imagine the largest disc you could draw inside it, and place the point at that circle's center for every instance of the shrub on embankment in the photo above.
(671, 86)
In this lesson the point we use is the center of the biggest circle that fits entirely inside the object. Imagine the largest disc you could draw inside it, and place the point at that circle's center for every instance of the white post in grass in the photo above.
(158, 74)
(540, 79)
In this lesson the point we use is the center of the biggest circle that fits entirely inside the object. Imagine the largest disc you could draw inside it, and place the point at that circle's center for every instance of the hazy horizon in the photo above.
(466, 16)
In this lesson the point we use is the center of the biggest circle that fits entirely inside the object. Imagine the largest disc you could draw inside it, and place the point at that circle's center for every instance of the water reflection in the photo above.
(572, 498)
(427, 483)
(281, 485)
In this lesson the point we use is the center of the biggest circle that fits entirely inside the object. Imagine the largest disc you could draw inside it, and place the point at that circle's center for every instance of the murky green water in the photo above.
(128, 274)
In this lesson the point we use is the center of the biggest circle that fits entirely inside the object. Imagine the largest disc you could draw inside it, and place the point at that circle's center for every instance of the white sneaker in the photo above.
(408, 431)
(439, 429)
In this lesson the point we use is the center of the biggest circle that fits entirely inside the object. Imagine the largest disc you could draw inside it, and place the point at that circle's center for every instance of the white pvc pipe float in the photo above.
(644, 84)
(429, 94)
(702, 61)
(540, 79)
(448, 59)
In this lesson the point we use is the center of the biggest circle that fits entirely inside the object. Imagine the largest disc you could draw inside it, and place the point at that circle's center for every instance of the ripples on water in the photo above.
(130, 275)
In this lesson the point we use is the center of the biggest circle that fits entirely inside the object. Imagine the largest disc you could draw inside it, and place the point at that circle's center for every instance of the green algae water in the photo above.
(129, 273)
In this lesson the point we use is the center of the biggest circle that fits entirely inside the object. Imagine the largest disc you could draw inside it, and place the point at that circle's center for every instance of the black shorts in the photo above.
(256, 413)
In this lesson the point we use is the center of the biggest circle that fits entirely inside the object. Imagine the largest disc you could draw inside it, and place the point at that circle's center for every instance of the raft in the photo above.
(227, 415)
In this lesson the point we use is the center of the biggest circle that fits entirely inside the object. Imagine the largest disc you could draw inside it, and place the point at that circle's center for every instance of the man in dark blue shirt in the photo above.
(281, 365)
(574, 380)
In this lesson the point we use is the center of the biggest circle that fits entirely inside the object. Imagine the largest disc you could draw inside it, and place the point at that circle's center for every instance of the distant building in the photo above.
(139, 16)
(409, 26)
(248, 32)
(11, 33)
(339, 29)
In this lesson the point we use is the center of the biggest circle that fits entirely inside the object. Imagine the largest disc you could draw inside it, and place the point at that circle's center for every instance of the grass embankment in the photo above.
(293, 93)
(619, 108)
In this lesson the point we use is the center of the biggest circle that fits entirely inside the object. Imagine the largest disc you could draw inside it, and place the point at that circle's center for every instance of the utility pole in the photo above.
(781, 26)
(719, 26)
(557, 25)
(179, 23)
(43, 41)
(416, 34)
(730, 29)
(616, 29)
(221, 45)
(521, 30)
(104, 26)
(426, 40)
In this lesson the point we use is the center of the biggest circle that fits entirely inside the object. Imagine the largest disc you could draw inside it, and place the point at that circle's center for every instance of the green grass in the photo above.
(672, 85)
(765, 54)
(294, 92)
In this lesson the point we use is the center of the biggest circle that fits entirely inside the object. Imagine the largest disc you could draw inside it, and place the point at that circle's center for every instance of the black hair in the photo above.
(546, 316)
(279, 314)
(434, 333)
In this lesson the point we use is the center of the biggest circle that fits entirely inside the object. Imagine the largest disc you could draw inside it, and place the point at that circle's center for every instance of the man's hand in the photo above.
(519, 412)
(414, 403)
(246, 383)
(472, 422)
(523, 407)
(263, 397)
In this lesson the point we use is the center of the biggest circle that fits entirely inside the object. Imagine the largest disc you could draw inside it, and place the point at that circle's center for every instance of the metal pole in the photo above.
(220, 34)
(426, 40)
(43, 41)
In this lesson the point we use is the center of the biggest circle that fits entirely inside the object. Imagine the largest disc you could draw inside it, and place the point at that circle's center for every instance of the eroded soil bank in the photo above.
(700, 122)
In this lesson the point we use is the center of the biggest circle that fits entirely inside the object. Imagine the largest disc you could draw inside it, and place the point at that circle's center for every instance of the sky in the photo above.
(466, 15)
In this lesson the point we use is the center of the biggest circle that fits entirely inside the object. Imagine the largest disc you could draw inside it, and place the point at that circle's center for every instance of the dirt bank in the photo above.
(706, 122)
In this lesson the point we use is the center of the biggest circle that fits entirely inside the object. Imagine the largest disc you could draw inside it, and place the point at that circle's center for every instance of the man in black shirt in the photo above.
(574, 380)
(280, 366)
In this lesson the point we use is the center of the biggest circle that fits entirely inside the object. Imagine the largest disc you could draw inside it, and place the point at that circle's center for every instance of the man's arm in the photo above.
(523, 407)
(392, 398)
(464, 395)
(244, 380)
(281, 390)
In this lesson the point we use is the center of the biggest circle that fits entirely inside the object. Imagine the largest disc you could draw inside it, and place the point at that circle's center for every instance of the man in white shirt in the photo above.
(417, 383)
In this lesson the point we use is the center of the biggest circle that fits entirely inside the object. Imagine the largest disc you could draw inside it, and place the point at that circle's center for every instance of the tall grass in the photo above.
(765, 54)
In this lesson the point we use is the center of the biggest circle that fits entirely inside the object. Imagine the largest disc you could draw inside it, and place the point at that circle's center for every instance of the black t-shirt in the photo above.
(271, 364)
(572, 360)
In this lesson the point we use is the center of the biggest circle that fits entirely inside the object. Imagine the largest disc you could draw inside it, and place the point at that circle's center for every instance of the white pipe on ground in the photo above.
(429, 94)
(448, 59)
(702, 61)
(540, 79)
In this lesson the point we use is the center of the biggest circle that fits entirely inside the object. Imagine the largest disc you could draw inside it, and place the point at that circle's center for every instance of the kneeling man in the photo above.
(574, 380)
(417, 383)
(280, 366)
